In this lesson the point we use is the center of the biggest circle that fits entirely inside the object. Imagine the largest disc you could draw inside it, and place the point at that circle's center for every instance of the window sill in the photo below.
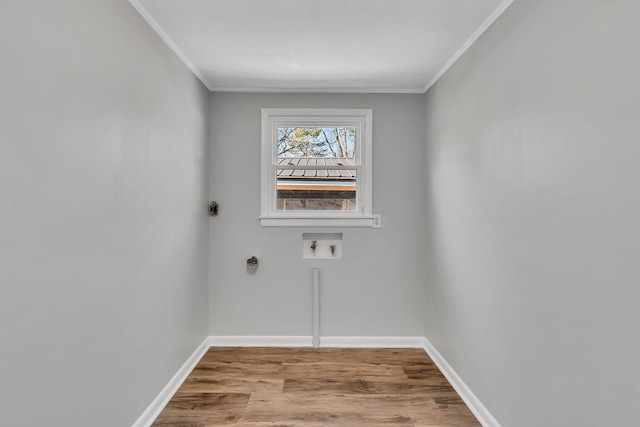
(360, 221)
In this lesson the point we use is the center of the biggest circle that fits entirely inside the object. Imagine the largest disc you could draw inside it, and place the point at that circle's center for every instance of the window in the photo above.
(316, 167)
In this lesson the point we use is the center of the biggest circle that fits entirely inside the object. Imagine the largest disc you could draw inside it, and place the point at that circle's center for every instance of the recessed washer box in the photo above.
(322, 245)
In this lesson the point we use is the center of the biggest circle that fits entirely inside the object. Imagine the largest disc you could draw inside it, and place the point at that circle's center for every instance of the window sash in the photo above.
(311, 122)
(361, 120)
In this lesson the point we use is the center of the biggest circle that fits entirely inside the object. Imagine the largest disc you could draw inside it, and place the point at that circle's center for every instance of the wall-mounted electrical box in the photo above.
(213, 209)
(322, 245)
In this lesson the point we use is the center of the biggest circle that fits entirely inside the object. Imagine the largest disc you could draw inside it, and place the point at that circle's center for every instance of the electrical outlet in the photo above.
(377, 221)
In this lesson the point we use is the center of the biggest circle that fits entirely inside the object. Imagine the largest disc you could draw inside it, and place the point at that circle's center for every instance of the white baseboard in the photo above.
(151, 413)
(479, 410)
(260, 341)
(372, 342)
(307, 341)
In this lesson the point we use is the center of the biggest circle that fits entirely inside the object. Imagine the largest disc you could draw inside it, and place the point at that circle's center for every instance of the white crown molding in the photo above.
(169, 41)
(157, 405)
(316, 90)
(471, 40)
(479, 410)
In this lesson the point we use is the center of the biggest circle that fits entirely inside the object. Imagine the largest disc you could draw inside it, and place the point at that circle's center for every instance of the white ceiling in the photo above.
(320, 45)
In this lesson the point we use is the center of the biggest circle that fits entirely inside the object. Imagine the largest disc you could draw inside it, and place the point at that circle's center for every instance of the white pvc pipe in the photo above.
(316, 307)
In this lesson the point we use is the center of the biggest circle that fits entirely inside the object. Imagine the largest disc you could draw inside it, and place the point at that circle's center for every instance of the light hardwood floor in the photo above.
(306, 387)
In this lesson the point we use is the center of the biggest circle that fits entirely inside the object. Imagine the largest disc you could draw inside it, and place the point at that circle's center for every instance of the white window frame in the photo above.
(362, 120)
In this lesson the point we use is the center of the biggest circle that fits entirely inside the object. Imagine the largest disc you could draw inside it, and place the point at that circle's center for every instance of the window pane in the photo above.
(314, 142)
(311, 189)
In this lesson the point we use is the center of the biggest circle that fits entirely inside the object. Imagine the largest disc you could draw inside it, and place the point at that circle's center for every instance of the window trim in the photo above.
(274, 117)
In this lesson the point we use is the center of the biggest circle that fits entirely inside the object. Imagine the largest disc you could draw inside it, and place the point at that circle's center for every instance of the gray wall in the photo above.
(534, 214)
(376, 289)
(103, 236)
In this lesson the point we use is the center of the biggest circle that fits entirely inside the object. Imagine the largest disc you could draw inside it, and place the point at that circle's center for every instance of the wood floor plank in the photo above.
(239, 370)
(343, 371)
(214, 384)
(371, 356)
(361, 387)
(219, 408)
(306, 387)
(302, 409)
